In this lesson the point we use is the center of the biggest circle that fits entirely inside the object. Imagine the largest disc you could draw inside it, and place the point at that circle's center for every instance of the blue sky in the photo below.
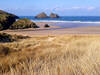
(61, 7)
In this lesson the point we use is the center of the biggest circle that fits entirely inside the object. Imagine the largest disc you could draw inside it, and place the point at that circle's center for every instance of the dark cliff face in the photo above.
(41, 15)
(53, 15)
(6, 19)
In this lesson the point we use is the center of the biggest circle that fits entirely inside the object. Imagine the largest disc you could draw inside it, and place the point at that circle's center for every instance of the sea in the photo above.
(69, 21)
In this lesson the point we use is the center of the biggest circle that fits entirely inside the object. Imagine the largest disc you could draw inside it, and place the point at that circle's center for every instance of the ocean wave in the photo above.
(56, 21)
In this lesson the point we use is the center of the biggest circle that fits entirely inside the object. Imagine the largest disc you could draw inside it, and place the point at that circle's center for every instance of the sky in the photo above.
(61, 7)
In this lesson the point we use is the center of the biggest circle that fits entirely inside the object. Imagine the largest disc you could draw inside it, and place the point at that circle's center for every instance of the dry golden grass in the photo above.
(52, 55)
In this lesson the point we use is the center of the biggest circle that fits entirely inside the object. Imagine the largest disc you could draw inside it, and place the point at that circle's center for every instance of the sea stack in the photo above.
(53, 15)
(41, 15)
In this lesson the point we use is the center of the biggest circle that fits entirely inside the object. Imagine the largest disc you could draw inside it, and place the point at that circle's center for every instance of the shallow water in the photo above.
(73, 25)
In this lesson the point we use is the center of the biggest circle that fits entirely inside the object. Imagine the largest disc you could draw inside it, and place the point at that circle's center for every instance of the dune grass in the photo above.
(52, 55)
(4, 37)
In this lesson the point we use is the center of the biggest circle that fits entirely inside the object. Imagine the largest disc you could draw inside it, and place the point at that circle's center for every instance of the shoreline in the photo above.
(55, 30)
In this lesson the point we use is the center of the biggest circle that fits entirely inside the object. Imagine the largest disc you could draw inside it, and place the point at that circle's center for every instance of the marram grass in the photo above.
(52, 55)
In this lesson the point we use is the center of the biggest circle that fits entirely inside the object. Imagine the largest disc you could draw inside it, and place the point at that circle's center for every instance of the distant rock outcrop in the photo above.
(6, 19)
(41, 15)
(53, 15)
(23, 23)
(46, 26)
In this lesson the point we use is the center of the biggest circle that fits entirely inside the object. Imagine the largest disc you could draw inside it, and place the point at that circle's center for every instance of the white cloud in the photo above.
(90, 8)
(83, 8)
(75, 8)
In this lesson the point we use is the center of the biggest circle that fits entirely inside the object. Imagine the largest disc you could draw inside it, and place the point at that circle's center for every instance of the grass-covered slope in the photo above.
(6, 19)
(52, 55)
(6, 13)
(23, 23)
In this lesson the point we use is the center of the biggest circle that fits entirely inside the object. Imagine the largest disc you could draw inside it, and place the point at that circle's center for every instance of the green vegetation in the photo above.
(1, 27)
(4, 37)
(6, 19)
(23, 23)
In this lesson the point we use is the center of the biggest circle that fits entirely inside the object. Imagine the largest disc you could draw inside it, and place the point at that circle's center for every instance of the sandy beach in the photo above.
(55, 30)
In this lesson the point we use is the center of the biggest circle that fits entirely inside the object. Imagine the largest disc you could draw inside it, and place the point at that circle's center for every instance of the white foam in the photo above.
(56, 21)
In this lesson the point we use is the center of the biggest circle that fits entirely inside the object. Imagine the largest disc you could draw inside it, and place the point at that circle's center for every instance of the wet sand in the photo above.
(41, 25)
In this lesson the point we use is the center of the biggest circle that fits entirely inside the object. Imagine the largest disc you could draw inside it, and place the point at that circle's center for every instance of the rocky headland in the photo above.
(6, 19)
(23, 24)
